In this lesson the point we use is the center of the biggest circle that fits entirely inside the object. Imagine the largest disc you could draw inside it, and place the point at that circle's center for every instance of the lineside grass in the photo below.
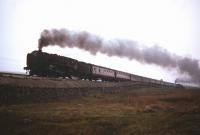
(145, 111)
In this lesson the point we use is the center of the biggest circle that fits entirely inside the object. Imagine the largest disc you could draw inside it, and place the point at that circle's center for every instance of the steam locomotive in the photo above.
(45, 64)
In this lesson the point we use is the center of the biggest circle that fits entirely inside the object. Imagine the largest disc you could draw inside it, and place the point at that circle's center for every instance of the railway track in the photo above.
(13, 74)
(20, 75)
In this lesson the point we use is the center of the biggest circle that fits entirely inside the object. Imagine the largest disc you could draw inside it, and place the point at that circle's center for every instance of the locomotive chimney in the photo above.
(39, 45)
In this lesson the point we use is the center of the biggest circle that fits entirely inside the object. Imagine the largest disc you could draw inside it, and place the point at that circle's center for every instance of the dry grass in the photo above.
(145, 111)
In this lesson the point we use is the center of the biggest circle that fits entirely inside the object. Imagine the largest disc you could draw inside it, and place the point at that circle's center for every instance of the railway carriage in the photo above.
(99, 72)
(145, 80)
(136, 78)
(123, 76)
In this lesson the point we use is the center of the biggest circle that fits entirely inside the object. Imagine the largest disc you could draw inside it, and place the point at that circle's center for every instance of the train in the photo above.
(52, 65)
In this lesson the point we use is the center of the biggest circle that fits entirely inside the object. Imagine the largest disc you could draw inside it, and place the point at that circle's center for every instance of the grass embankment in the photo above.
(137, 112)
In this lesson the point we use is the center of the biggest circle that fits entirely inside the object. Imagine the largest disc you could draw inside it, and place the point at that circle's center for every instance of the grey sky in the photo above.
(171, 24)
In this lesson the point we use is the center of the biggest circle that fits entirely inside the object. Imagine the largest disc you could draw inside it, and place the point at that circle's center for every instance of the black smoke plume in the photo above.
(122, 48)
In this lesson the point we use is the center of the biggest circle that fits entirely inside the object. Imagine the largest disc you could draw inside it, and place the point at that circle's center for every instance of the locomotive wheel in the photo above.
(31, 73)
(70, 77)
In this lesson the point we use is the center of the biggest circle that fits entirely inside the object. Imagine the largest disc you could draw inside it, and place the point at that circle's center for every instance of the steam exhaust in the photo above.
(121, 48)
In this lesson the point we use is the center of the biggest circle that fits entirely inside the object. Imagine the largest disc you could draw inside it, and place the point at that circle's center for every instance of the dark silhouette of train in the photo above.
(45, 64)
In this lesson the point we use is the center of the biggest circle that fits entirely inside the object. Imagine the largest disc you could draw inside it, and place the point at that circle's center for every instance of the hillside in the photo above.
(52, 106)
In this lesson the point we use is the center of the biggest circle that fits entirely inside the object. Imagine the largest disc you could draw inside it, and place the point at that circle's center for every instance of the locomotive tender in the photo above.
(45, 64)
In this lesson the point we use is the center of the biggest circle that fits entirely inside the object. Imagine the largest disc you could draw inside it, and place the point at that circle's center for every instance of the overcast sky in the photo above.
(170, 24)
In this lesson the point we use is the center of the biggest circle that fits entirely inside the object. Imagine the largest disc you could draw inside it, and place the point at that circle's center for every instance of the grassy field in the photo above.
(144, 111)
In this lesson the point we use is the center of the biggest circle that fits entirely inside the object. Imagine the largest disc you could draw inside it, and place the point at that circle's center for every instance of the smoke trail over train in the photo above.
(121, 48)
